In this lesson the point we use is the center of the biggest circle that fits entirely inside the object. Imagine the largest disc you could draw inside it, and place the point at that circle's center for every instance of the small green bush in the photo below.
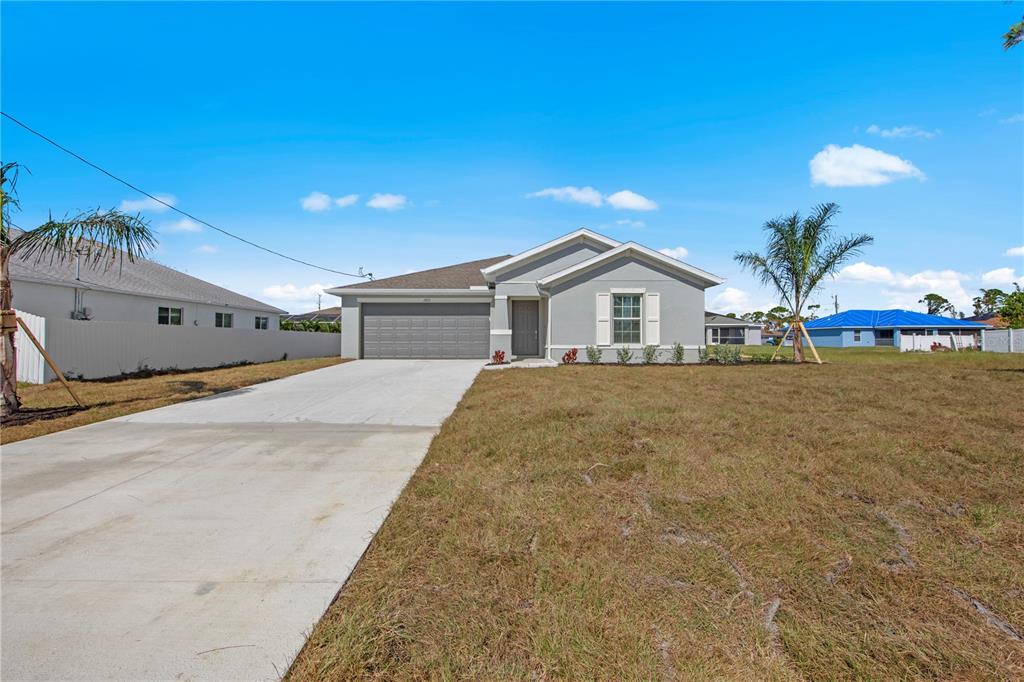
(678, 353)
(702, 354)
(623, 355)
(650, 354)
(593, 355)
(727, 354)
(763, 357)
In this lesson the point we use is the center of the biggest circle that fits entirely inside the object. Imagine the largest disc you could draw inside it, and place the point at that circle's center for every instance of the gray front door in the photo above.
(525, 328)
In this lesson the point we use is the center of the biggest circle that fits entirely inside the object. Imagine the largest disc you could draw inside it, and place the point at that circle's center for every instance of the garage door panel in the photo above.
(426, 330)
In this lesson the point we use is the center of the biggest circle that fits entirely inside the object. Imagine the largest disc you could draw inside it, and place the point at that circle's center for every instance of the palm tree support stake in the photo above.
(792, 327)
(46, 356)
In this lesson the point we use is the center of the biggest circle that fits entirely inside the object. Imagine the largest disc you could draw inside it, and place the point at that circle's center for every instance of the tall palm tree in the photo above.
(800, 253)
(100, 238)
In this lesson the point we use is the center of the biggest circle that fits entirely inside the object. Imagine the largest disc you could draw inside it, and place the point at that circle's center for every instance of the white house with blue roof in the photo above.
(861, 328)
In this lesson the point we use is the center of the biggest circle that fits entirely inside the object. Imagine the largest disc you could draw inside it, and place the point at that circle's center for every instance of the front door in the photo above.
(525, 328)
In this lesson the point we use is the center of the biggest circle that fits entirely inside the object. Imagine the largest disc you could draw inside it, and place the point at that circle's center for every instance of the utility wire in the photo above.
(173, 208)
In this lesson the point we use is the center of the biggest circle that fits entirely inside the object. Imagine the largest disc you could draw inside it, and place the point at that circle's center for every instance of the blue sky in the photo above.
(684, 125)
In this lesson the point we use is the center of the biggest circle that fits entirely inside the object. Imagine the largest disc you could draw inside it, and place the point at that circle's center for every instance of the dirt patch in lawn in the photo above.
(48, 408)
(863, 519)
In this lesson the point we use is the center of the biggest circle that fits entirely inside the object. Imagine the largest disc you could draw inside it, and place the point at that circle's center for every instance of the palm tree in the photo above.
(99, 238)
(801, 252)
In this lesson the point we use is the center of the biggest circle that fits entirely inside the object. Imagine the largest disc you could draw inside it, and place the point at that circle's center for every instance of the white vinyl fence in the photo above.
(31, 365)
(93, 350)
(1003, 340)
(923, 342)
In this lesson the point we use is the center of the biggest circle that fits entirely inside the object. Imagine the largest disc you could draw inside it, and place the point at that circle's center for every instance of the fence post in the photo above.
(1009, 339)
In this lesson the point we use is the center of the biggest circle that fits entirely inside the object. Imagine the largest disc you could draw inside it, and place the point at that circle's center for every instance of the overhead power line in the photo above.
(178, 210)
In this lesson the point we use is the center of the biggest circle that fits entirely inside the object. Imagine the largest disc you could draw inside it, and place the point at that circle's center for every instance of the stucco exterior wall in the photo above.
(574, 308)
(57, 302)
(350, 327)
(554, 262)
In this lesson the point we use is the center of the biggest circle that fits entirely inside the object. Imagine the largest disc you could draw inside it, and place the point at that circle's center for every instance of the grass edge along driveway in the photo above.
(116, 398)
(860, 519)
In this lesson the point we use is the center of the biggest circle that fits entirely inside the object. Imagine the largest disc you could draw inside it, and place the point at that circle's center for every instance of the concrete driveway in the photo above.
(203, 540)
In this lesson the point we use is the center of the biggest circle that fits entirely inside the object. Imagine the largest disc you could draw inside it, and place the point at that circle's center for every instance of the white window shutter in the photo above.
(653, 335)
(604, 319)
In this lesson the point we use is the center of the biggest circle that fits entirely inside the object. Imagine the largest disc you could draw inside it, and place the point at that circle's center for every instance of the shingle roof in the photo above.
(459, 276)
(323, 315)
(141, 277)
(715, 319)
(885, 319)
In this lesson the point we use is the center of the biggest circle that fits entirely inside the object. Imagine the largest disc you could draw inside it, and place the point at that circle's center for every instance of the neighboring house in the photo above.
(578, 290)
(993, 320)
(731, 330)
(857, 328)
(125, 291)
(322, 315)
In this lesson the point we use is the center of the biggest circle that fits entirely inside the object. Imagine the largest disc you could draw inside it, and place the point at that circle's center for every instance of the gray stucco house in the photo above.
(132, 291)
(577, 290)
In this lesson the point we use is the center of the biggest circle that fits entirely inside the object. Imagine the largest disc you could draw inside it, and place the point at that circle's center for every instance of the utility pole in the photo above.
(835, 302)
(318, 301)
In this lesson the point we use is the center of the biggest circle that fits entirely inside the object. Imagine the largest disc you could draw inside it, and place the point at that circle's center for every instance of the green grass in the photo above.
(647, 522)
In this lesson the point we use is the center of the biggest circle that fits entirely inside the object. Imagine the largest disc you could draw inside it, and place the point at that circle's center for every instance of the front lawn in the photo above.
(49, 407)
(860, 519)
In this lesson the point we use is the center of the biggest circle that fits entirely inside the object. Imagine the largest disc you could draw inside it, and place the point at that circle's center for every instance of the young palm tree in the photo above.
(99, 238)
(801, 252)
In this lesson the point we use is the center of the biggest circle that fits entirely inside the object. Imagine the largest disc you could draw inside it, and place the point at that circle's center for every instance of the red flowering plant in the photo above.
(570, 356)
(498, 358)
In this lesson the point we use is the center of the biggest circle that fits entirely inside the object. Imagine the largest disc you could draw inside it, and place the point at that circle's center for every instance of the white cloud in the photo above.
(315, 202)
(579, 195)
(1016, 118)
(1000, 276)
(1015, 251)
(902, 131)
(859, 166)
(631, 223)
(588, 196)
(903, 291)
(148, 205)
(183, 225)
(206, 249)
(291, 292)
(388, 202)
(677, 252)
(298, 298)
(731, 300)
(318, 202)
(631, 200)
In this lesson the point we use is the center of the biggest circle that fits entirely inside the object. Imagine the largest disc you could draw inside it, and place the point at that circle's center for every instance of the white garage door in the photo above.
(426, 330)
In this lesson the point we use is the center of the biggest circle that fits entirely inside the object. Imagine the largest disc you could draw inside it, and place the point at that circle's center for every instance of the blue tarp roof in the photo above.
(884, 319)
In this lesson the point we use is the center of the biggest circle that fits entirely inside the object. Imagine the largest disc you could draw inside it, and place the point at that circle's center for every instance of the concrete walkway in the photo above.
(204, 540)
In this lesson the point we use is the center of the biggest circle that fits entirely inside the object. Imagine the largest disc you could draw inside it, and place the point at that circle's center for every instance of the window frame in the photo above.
(733, 336)
(638, 319)
(219, 319)
(262, 322)
(169, 315)
(856, 335)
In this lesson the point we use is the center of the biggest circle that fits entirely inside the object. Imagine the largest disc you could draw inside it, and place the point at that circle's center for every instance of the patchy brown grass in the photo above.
(49, 408)
(864, 519)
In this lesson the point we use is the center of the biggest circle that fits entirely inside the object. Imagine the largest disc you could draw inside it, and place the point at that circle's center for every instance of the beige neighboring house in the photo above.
(141, 291)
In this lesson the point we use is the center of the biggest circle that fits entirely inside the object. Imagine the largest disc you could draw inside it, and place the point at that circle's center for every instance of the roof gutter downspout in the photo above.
(547, 331)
